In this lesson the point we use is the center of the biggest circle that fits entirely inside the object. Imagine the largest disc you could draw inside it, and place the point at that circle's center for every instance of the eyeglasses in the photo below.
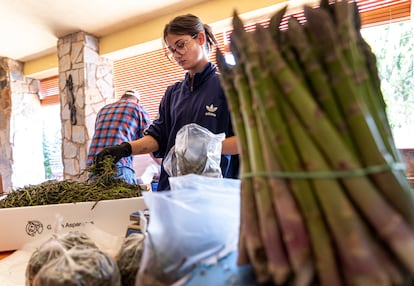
(180, 48)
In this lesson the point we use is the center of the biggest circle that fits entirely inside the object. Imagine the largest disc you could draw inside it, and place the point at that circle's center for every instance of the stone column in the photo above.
(21, 127)
(85, 85)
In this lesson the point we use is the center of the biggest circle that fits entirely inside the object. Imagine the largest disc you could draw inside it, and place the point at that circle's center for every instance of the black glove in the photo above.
(117, 152)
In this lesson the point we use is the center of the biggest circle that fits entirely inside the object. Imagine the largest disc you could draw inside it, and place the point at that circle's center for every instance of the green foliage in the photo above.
(46, 156)
(51, 152)
(393, 46)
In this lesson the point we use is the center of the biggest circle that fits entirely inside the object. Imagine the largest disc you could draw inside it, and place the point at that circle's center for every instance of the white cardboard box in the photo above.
(22, 225)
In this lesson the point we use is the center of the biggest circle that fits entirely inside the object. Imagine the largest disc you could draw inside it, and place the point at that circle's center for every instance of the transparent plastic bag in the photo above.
(196, 151)
(48, 251)
(129, 258)
(54, 248)
(195, 223)
(80, 265)
(71, 259)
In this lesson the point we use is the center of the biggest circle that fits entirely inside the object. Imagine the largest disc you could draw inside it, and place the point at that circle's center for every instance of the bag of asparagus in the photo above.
(324, 195)
(196, 151)
(71, 259)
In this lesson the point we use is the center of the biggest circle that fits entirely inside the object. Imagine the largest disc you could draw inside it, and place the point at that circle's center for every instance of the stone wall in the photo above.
(85, 85)
(5, 116)
(21, 150)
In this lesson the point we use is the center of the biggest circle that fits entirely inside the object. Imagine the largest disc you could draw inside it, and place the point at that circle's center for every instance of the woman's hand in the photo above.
(116, 152)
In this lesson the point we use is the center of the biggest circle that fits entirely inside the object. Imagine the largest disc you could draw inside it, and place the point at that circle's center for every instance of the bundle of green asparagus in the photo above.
(325, 199)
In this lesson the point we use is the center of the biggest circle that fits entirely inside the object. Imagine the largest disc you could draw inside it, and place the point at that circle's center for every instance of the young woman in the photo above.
(199, 99)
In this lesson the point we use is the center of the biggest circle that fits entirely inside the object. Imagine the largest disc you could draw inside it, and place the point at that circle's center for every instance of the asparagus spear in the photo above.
(298, 247)
(370, 58)
(292, 227)
(280, 39)
(371, 65)
(248, 226)
(277, 261)
(293, 230)
(274, 24)
(317, 79)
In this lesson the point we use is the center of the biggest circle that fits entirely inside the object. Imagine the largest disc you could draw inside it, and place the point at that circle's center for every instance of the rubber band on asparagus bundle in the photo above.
(329, 174)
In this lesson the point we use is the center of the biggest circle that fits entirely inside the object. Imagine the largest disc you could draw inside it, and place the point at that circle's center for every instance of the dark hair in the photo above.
(190, 25)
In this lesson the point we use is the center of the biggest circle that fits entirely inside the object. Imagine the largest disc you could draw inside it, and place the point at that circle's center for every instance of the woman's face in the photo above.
(187, 51)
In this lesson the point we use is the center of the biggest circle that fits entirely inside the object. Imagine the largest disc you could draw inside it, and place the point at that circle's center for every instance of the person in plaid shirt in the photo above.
(121, 121)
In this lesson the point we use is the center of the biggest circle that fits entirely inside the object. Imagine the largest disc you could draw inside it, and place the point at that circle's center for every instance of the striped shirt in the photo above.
(121, 121)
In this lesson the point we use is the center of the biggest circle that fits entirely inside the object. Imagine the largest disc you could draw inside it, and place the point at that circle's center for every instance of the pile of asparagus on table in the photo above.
(102, 185)
(325, 199)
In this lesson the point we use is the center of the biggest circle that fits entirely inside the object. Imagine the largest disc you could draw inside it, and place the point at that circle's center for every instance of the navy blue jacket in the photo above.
(203, 103)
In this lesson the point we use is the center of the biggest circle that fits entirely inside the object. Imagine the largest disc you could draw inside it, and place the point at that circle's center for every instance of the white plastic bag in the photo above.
(196, 151)
(188, 225)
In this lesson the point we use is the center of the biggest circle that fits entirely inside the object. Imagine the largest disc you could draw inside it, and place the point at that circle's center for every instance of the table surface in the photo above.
(224, 273)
